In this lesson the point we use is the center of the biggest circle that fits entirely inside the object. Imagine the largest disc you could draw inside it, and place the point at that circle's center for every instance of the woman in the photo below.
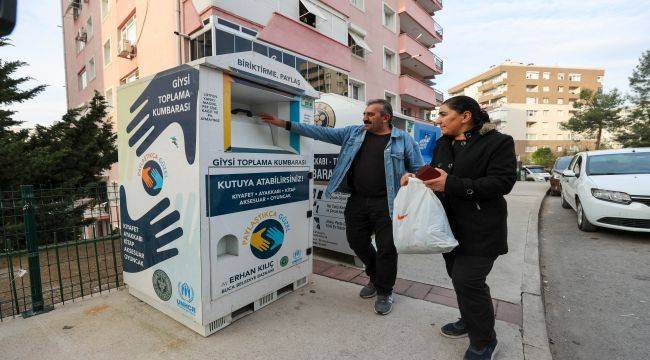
(478, 167)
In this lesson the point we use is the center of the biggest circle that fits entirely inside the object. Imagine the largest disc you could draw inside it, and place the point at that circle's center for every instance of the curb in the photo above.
(534, 334)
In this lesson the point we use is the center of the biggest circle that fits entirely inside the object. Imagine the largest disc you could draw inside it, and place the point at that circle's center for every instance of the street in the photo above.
(596, 288)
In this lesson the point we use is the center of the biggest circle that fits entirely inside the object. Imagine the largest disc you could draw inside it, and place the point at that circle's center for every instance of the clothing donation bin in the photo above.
(215, 204)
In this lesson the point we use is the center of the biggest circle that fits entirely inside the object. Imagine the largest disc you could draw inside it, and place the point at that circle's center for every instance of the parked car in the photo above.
(535, 173)
(560, 165)
(609, 188)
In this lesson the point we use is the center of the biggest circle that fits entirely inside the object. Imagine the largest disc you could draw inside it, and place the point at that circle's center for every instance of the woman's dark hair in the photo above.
(464, 103)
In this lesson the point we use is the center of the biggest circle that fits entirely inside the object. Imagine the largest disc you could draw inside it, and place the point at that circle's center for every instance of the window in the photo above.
(130, 78)
(357, 44)
(357, 90)
(389, 18)
(560, 113)
(575, 77)
(107, 52)
(390, 62)
(545, 101)
(574, 90)
(105, 8)
(546, 75)
(531, 149)
(531, 137)
(91, 69)
(358, 4)
(600, 78)
(546, 89)
(391, 98)
(82, 79)
(558, 149)
(532, 88)
(560, 101)
(201, 45)
(560, 76)
(108, 95)
(531, 113)
(128, 32)
(533, 75)
(531, 100)
(560, 89)
(545, 113)
(89, 28)
(307, 13)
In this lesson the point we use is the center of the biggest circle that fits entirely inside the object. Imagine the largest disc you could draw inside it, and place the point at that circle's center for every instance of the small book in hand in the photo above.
(427, 172)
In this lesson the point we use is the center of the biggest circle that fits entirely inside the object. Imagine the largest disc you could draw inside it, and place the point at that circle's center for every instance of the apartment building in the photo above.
(358, 48)
(530, 102)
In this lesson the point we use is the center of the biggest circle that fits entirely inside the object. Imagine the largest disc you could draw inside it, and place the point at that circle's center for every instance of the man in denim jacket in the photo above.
(373, 158)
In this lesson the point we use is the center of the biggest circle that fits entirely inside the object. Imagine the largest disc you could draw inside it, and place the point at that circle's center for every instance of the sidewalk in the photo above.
(324, 320)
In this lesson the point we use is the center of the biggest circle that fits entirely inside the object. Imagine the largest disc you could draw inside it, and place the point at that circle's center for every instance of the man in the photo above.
(373, 158)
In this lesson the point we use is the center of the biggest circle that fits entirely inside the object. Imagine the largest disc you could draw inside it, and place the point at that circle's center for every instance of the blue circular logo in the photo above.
(152, 177)
(267, 238)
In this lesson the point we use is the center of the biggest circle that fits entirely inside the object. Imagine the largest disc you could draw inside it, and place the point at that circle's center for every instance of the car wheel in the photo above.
(583, 223)
(565, 204)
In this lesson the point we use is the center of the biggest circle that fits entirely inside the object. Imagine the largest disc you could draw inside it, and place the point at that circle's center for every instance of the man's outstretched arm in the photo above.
(329, 135)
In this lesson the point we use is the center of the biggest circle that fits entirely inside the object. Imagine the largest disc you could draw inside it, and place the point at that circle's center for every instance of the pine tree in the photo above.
(637, 131)
(13, 155)
(594, 112)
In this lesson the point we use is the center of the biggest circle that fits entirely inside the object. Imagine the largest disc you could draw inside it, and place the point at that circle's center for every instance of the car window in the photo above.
(562, 163)
(619, 164)
(577, 166)
(573, 162)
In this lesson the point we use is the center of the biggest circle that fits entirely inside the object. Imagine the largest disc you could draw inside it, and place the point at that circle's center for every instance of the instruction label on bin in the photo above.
(240, 192)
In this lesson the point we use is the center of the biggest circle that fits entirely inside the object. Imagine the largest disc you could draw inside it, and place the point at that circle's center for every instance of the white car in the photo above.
(535, 173)
(609, 188)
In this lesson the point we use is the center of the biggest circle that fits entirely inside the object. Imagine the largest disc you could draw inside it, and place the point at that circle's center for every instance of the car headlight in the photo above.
(613, 196)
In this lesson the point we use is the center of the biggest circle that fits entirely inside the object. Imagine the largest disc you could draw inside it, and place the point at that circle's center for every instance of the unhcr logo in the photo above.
(186, 294)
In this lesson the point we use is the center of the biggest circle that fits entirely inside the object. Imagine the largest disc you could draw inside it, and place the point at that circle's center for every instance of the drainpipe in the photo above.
(179, 55)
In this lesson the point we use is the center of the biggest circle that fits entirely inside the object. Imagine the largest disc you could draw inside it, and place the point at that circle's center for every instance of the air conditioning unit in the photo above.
(127, 50)
(82, 35)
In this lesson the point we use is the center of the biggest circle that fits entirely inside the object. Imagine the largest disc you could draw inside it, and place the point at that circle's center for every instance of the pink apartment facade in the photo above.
(363, 49)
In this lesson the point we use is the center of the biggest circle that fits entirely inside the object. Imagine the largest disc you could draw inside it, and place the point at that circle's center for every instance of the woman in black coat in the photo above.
(478, 167)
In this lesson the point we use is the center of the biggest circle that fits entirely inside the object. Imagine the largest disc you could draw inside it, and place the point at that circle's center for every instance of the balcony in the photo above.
(431, 6)
(415, 21)
(417, 93)
(418, 59)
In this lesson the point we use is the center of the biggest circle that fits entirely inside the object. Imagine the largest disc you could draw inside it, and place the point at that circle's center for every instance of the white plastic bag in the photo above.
(420, 224)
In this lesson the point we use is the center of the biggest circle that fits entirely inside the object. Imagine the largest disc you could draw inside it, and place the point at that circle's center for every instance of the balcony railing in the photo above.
(437, 28)
(439, 62)
(418, 58)
(418, 93)
(417, 22)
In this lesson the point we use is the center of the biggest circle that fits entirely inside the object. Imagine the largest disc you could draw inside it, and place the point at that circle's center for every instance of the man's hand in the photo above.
(405, 179)
(258, 242)
(437, 184)
(270, 119)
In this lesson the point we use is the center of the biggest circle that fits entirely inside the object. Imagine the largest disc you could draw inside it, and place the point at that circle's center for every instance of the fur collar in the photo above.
(486, 128)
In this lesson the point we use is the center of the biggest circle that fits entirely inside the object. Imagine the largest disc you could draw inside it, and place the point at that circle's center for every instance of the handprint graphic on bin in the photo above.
(267, 239)
(170, 97)
(140, 237)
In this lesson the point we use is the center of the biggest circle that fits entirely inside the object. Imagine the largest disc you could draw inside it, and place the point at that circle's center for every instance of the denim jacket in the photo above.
(401, 155)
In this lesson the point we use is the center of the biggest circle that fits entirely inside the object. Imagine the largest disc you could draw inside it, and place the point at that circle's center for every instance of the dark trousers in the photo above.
(468, 274)
(363, 217)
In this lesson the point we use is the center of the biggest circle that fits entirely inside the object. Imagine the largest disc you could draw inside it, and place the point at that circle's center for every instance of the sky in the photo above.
(608, 34)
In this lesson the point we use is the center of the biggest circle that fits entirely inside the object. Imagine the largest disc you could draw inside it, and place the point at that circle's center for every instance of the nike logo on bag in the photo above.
(402, 217)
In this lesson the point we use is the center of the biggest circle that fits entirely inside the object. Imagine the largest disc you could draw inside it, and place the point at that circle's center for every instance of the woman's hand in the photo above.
(405, 179)
(437, 184)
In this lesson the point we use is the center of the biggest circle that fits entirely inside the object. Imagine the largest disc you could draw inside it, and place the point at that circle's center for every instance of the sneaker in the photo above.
(384, 304)
(487, 353)
(368, 291)
(455, 330)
